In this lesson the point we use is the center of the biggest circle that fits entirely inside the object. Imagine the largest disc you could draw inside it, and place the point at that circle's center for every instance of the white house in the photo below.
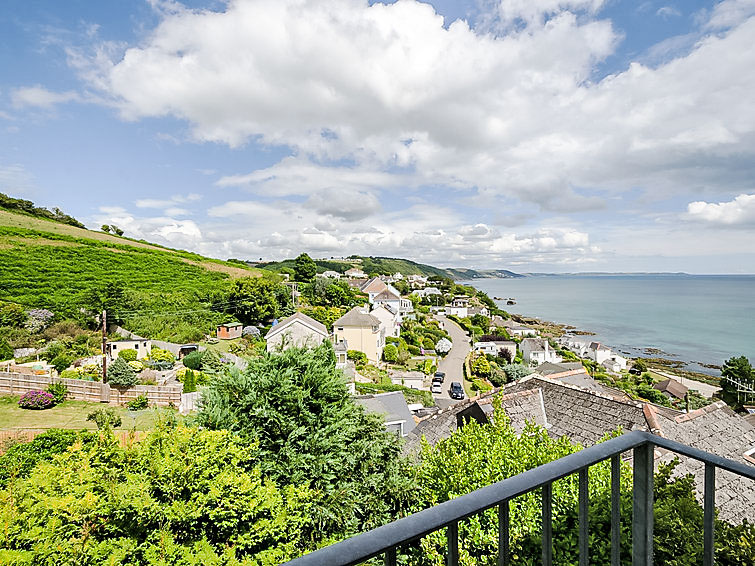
(416, 281)
(496, 347)
(522, 331)
(483, 310)
(331, 274)
(298, 330)
(458, 307)
(142, 347)
(373, 288)
(428, 291)
(578, 345)
(614, 363)
(355, 273)
(389, 319)
(598, 352)
(388, 299)
(536, 351)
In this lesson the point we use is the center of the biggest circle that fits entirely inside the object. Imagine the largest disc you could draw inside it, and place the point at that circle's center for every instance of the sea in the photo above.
(696, 319)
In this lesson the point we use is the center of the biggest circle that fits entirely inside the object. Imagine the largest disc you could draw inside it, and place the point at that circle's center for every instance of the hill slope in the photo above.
(71, 271)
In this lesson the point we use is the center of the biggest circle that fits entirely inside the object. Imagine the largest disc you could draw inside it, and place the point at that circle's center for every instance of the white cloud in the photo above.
(738, 212)
(39, 97)
(169, 205)
(163, 230)
(731, 13)
(15, 180)
(667, 12)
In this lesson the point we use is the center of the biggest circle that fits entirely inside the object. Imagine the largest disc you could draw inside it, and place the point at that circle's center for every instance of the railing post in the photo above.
(390, 557)
(584, 503)
(453, 544)
(503, 534)
(709, 514)
(616, 510)
(642, 506)
(547, 524)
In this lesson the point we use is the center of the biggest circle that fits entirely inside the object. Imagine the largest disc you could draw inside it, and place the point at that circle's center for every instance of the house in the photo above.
(598, 352)
(389, 319)
(416, 281)
(230, 330)
(521, 331)
(355, 273)
(410, 379)
(143, 348)
(578, 345)
(397, 276)
(298, 330)
(483, 310)
(560, 369)
(458, 307)
(392, 405)
(612, 365)
(536, 351)
(331, 274)
(672, 389)
(428, 292)
(496, 347)
(373, 287)
(387, 298)
(362, 331)
(500, 322)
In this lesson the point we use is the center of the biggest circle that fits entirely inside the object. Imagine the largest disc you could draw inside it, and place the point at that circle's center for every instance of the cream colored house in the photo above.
(143, 348)
(362, 332)
(389, 319)
(298, 330)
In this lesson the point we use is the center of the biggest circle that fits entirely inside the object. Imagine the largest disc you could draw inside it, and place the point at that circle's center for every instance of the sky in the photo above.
(531, 135)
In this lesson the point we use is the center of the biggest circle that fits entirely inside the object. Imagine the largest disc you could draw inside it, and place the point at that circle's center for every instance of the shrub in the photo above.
(121, 375)
(136, 365)
(70, 374)
(390, 353)
(427, 343)
(515, 371)
(58, 390)
(160, 355)
(128, 355)
(141, 402)
(36, 399)
(190, 381)
(413, 350)
(443, 346)
(211, 361)
(61, 362)
(6, 352)
(359, 358)
(193, 360)
(105, 418)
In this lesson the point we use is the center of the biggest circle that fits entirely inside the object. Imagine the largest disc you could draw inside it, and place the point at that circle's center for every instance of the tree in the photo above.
(482, 321)
(481, 366)
(116, 230)
(310, 430)
(305, 268)
(516, 371)
(121, 375)
(640, 366)
(105, 418)
(738, 370)
(256, 300)
(6, 351)
(12, 315)
(105, 228)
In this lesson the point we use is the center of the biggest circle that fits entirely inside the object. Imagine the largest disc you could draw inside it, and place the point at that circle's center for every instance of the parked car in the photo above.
(437, 387)
(439, 375)
(457, 391)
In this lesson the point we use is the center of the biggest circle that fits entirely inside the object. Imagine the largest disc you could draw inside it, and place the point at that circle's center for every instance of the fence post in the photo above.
(642, 506)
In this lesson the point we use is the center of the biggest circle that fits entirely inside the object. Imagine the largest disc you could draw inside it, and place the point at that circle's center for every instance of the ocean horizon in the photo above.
(696, 319)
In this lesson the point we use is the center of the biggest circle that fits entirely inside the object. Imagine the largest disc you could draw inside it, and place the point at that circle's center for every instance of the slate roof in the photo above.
(355, 317)
(392, 405)
(300, 317)
(718, 430)
(550, 368)
(581, 414)
(672, 387)
(535, 344)
(520, 407)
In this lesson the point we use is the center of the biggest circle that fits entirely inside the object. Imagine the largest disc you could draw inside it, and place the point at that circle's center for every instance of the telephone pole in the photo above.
(104, 346)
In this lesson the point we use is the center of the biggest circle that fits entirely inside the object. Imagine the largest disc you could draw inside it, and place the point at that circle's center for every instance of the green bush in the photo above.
(190, 381)
(359, 358)
(121, 375)
(105, 418)
(69, 374)
(193, 360)
(160, 355)
(6, 351)
(413, 350)
(211, 361)
(427, 343)
(390, 353)
(129, 355)
(141, 402)
(59, 390)
(61, 362)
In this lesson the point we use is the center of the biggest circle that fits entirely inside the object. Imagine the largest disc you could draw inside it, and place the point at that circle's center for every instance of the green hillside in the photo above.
(74, 272)
(370, 265)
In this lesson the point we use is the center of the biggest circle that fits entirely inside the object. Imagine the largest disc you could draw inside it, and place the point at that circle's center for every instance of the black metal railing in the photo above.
(387, 539)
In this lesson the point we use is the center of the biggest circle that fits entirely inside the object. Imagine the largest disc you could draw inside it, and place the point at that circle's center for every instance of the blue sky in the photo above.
(533, 135)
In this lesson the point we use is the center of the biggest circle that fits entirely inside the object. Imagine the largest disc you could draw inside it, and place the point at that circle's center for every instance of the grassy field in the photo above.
(69, 414)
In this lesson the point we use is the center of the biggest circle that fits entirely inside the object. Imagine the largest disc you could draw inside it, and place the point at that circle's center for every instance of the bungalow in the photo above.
(362, 331)
(331, 274)
(428, 291)
(230, 330)
(393, 407)
(496, 348)
(536, 351)
(483, 310)
(142, 347)
(672, 389)
(615, 363)
(298, 330)
(522, 331)
(355, 273)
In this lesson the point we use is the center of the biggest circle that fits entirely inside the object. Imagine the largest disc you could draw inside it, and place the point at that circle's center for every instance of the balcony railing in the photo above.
(387, 539)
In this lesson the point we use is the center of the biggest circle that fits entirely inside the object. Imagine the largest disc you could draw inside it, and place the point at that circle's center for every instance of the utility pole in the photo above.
(104, 346)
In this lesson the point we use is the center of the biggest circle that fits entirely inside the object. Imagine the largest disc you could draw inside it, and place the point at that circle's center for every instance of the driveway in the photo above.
(704, 389)
(453, 363)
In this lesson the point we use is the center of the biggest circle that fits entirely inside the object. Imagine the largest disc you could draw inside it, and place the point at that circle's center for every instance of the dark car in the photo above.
(457, 391)
(439, 376)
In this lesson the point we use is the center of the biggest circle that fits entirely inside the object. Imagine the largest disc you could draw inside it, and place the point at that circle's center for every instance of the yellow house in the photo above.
(362, 332)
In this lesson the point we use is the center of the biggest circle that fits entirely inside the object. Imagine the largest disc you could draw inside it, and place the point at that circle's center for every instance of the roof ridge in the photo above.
(702, 411)
(635, 404)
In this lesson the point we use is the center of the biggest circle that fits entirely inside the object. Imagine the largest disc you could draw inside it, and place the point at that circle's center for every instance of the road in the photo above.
(453, 363)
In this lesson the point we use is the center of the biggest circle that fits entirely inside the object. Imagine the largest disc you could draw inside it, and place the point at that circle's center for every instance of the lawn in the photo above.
(69, 414)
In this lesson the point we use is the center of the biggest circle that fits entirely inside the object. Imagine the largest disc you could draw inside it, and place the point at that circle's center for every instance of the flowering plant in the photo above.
(36, 399)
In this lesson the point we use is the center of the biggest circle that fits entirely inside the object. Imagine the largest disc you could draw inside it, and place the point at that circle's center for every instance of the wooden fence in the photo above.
(12, 436)
(95, 391)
